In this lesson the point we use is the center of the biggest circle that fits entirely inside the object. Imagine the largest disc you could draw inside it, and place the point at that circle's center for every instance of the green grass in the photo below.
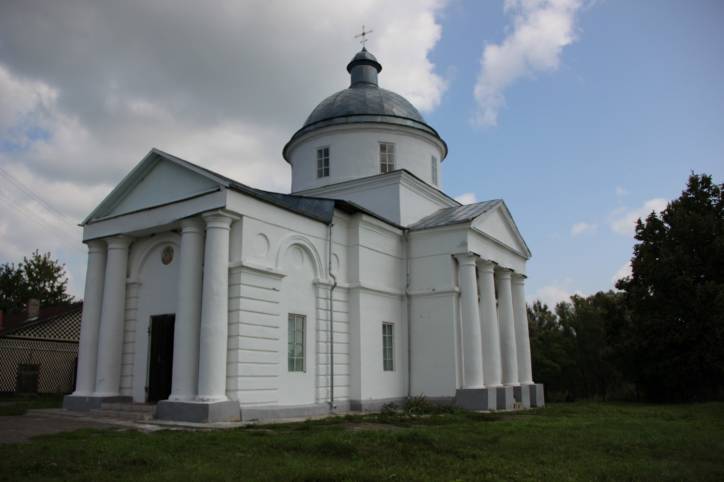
(13, 404)
(581, 441)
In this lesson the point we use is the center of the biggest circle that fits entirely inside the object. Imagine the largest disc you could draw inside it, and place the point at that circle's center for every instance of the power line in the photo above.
(19, 185)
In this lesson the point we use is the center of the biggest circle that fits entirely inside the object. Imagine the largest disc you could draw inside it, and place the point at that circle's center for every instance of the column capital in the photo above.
(518, 278)
(485, 265)
(219, 219)
(192, 225)
(466, 258)
(96, 246)
(119, 242)
(503, 273)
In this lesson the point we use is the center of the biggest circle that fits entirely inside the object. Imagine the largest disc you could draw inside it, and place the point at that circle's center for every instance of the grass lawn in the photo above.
(561, 442)
(12, 404)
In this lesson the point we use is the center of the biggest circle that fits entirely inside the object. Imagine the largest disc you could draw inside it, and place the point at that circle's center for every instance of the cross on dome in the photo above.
(364, 35)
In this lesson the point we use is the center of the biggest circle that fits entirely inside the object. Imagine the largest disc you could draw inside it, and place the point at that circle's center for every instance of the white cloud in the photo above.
(467, 198)
(541, 28)
(582, 228)
(623, 220)
(553, 294)
(621, 191)
(224, 85)
(622, 272)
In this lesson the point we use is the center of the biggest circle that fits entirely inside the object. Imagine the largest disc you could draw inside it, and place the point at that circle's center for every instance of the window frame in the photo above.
(388, 346)
(387, 157)
(323, 162)
(434, 166)
(296, 360)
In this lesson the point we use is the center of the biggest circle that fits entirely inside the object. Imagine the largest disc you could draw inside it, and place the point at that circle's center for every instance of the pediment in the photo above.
(498, 224)
(157, 180)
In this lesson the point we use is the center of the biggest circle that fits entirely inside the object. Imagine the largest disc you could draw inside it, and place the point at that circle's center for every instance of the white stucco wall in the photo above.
(354, 153)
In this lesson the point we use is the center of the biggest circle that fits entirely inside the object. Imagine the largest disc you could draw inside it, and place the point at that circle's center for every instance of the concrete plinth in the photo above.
(202, 412)
(537, 397)
(505, 398)
(80, 403)
(477, 398)
(522, 395)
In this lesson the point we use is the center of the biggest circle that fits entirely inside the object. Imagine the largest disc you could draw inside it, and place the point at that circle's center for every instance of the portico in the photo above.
(198, 382)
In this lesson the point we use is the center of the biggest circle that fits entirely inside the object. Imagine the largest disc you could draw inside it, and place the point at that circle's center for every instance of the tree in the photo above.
(577, 350)
(39, 277)
(676, 295)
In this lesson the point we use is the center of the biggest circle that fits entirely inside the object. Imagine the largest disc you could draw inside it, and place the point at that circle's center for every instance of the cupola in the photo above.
(347, 133)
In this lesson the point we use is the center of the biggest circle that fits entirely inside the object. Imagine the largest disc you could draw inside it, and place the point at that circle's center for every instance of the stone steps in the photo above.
(125, 411)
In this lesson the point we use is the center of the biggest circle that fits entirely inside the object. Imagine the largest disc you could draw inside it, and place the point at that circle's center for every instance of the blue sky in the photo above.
(618, 102)
(636, 104)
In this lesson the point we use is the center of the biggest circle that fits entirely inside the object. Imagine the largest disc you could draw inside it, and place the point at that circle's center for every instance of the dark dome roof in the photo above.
(363, 102)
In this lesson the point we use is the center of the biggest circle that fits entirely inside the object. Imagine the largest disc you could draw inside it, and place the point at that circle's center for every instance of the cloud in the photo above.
(582, 228)
(623, 220)
(83, 98)
(467, 198)
(540, 31)
(553, 294)
(621, 191)
(623, 272)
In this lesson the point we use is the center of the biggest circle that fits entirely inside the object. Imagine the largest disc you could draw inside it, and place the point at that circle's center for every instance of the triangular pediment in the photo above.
(498, 224)
(157, 180)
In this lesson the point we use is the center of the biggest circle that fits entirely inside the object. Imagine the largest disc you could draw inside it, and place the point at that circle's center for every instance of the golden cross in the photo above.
(364, 35)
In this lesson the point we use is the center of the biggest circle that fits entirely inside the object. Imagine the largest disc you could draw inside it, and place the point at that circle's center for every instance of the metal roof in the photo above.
(364, 102)
(62, 326)
(455, 215)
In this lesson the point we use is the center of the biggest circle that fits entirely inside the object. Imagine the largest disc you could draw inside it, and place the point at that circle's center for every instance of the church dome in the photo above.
(363, 102)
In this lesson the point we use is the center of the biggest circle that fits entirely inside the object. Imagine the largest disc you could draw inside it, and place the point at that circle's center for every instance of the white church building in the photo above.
(366, 285)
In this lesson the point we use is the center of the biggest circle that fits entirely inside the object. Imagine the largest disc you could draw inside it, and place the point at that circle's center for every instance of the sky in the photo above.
(583, 115)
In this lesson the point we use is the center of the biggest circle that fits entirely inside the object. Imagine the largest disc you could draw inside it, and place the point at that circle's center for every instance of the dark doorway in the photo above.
(161, 363)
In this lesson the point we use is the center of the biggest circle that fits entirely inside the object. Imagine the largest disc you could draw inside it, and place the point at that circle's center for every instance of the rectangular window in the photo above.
(323, 162)
(387, 347)
(433, 162)
(387, 157)
(297, 347)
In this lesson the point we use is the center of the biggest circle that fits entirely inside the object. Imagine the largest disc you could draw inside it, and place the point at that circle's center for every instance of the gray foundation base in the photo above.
(477, 398)
(79, 403)
(537, 397)
(522, 395)
(202, 412)
(292, 411)
(505, 398)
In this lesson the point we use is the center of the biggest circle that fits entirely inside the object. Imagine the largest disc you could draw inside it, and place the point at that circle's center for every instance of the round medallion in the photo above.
(167, 255)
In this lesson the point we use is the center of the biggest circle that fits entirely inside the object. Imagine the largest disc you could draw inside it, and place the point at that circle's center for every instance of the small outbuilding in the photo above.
(38, 354)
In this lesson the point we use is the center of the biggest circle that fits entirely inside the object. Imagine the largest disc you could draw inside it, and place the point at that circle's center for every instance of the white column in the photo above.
(184, 379)
(214, 310)
(91, 319)
(472, 347)
(490, 332)
(507, 327)
(525, 371)
(110, 339)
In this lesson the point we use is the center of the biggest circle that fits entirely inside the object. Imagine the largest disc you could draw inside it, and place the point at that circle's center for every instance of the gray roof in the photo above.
(364, 102)
(317, 208)
(455, 215)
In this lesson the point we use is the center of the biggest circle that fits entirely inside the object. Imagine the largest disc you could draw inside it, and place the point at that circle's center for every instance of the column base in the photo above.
(522, 395)
(537, 396)
(477, 398)
(84, 403)
(200, 412)
(505, 398)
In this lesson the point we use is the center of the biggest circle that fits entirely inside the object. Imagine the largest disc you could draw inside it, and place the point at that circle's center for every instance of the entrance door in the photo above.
(161, 361)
